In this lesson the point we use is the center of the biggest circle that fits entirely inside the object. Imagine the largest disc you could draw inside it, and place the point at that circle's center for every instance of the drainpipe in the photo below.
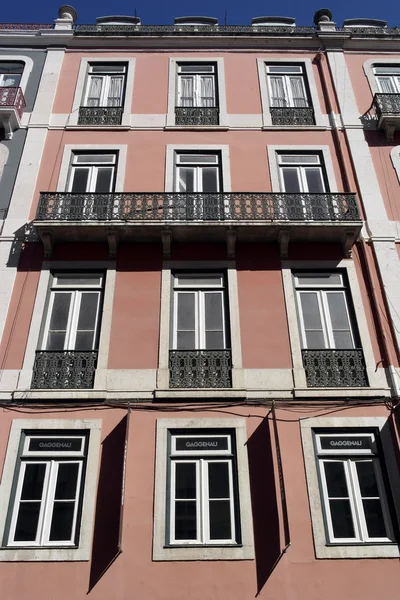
(391, 370)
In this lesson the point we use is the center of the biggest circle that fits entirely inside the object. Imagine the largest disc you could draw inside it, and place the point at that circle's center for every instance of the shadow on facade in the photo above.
(264, 502)
(106, 538)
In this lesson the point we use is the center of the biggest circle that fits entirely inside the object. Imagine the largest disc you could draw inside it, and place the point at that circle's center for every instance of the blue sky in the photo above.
(161, 11)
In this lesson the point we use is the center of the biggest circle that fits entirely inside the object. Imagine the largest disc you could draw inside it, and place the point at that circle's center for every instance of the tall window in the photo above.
(302, 173)
(287, 86)
(200, 320)
(324, 311)
(388, 79)
(44, 510)
(105, 85)
(196, 85)
(92, 173)
(197, 173)
(202, 502)
(10, 74)
(72, 320)
(352, 488)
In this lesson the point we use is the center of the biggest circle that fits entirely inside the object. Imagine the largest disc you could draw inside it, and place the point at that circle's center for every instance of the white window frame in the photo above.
(4, 75)
(287, 88)
(93, 167)
(376, 377)
(324, 547)
(301, 170)
(200, 313)
(77, 292)
(324, 311)
(63, 552)
(27, 68)
(215, 550)
(80, 88)
(196, 78)
(392, 76)
(197, 165)
(321, 120)
(219, 91)
(201, 460)
(273, 160)
(170, 161)
(106, 77)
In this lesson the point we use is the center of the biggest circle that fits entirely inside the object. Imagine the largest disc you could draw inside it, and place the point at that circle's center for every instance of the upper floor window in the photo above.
(352, 488)
(302, 173)
(196, 85)
(197, 172)
(105, 85)
(10, 74)
(73, 315)
(287, 86)
(92, 172)
(324, 311)
(388, 79)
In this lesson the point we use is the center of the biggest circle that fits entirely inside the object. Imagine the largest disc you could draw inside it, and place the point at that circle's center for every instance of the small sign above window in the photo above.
(45, 444)
(346, 442)
(202, 443)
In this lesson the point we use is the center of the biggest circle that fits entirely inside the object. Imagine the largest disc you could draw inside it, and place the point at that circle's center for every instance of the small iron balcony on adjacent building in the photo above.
(12, 104)
(284, 116)
(387, 109)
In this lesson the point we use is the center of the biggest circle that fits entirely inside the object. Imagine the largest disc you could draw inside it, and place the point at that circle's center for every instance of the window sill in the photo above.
(195, 393)
(196, 128)
(383, 550)
(295, 127)
(99, 127)
(182, 553)
(348, 392)
(13, 554)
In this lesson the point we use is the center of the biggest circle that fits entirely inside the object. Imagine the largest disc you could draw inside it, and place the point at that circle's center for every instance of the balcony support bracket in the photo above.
(166, 239)
(230, 242)
(47, 243)
(390, 128)
(347, 243)
(283, 241)
(112, 239)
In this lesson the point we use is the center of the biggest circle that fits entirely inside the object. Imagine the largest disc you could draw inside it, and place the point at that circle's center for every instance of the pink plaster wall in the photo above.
(133, 574)
(388, 180)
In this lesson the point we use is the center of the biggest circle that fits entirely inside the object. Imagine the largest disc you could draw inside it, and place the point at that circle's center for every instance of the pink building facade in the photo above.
(200, 347)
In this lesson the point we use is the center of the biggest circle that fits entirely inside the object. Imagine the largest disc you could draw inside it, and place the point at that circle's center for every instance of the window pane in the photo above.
(374, 518)
(218, 480)
(291, 181)
(367, 479)
(338, 311)
(187, 91)
(315, 182)
(185, 520)
(342, 521)
(32, 488)
(104, 179)
(62, 521)
(299, 158)
(186, 311)
(336, 480)
(319, 279)
(58, 321)
(94, 158)
(220, 520)
(197, 158)
(186, 180)
(343, 340)
(310, 311)
(315, 340)
(298, 92)
(27, 522)
(210, 179)
(278, 96)
(213, 311)
(115, 91)
(215, 340)
(284, 69)
(88, 311)
(186, 340)
(198, 280)
(185, 480)
(207, 90)
(77, 280)
(67, 478)
(80, 178)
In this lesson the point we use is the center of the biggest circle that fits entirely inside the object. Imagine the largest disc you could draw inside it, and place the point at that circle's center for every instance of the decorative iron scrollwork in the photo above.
(68, 369)
(292, 116)
(200, 369)
(197, 115)
(100, 115)
(386, 104)
(335, 368)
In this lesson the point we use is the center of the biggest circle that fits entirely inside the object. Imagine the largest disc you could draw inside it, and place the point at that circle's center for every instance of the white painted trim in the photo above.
(274, 170)
(344, 88)
(368, 68)
(83, 552)
(322, 550)
(47, 87)
(122, 150)
(170, 162)
(375, 376)
(81, 82)
(27, 69)
(172, 81)
(207, 552)
(395, 158)
(320, 119)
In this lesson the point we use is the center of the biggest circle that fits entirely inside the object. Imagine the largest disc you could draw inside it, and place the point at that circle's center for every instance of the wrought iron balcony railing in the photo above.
(68, 369)
(268, 206)
(387, 104)
(13, 97)
(196, 115)
(200, 369)
(335, 368)
(292, 116)
(100, 115)
(118, 29)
